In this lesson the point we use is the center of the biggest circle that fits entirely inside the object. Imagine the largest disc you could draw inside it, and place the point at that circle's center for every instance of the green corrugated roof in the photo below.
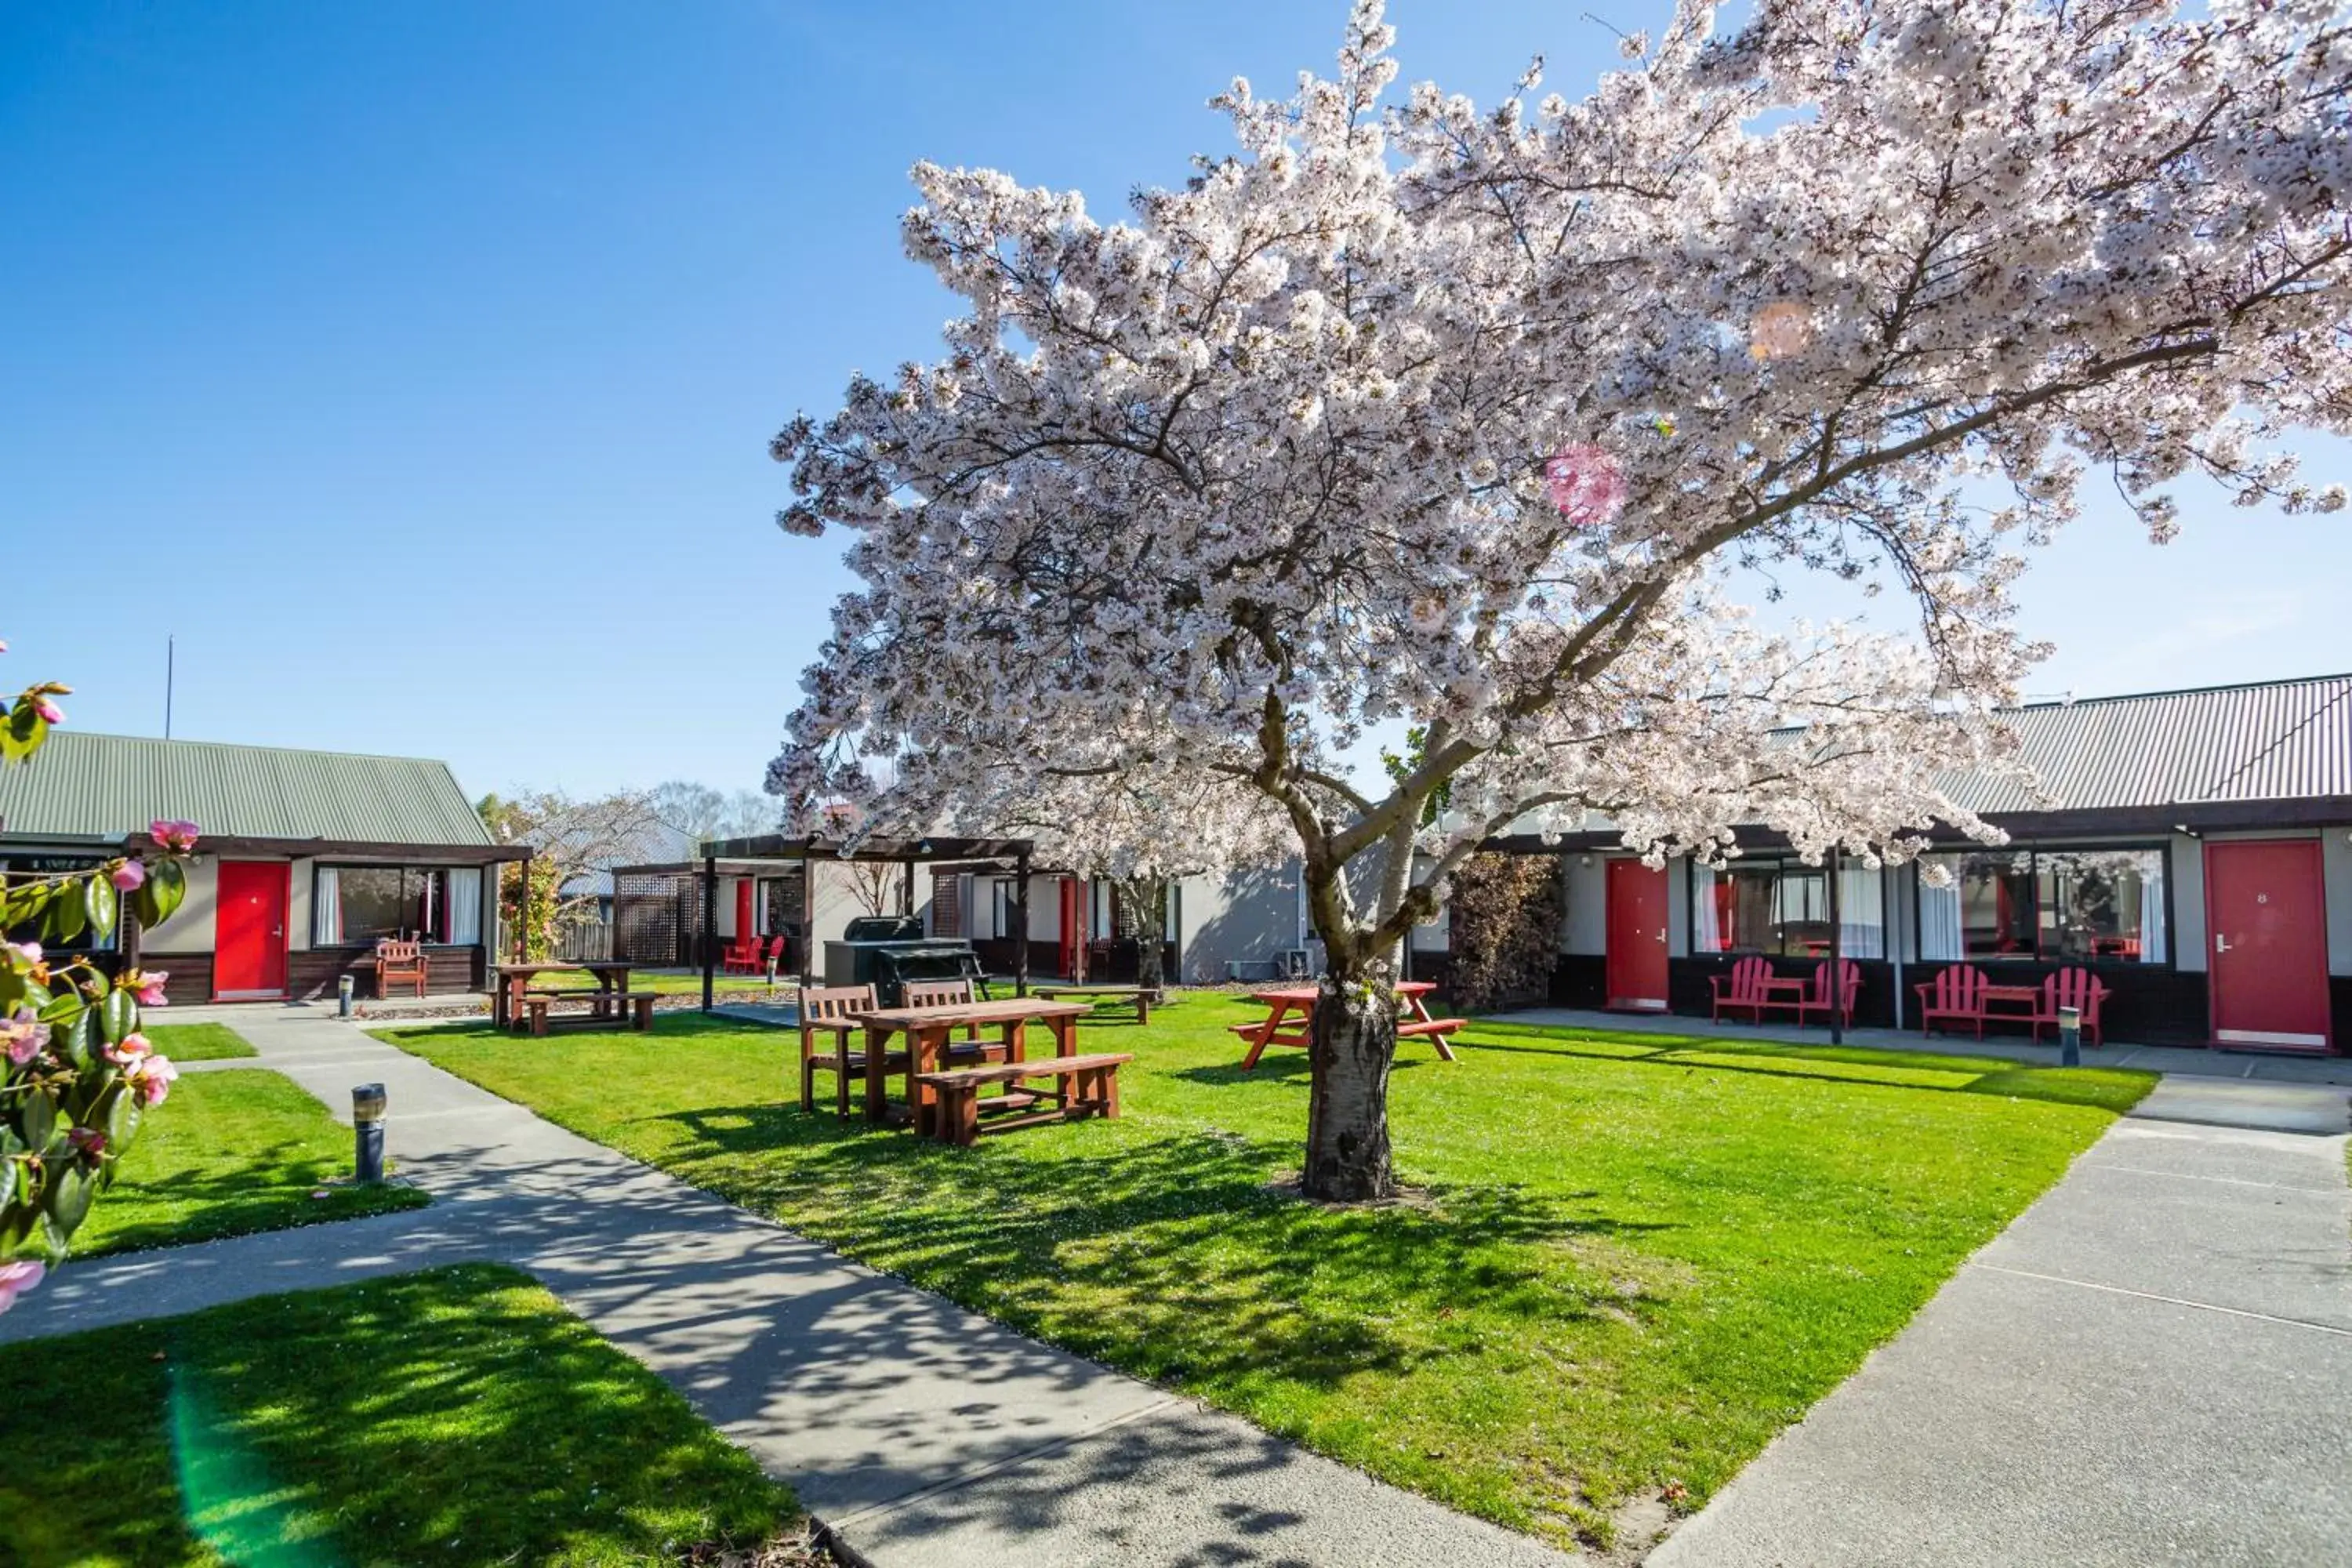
(86, 785)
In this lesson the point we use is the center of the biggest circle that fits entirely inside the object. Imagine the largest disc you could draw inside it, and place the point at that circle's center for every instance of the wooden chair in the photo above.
(1816, 998)
(397, 962)
(1955, 993)
(2072, 988)
(826, 1009)
(1744, 989)
(740, 956)
(952, 994)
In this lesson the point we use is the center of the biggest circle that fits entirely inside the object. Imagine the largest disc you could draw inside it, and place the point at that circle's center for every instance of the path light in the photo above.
(2070, 1036)
(367, 1129)
(343, 996)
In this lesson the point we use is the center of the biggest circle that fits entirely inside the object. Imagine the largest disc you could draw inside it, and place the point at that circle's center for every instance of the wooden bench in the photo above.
(1088, 1086)
(637, 1004)
(1139, 997)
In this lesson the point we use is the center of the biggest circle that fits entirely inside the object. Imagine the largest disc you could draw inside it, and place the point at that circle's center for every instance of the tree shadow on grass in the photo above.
(1178, 1255)
(262, 1187)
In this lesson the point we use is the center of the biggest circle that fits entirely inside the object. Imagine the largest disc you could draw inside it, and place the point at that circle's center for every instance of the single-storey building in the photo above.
(2193, 849)
(306, 859)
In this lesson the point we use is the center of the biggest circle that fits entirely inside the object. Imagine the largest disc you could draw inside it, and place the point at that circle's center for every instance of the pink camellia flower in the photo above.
(129, 1048)
(129, 875)
(25, 954)
(22, 1035)
(174, 834)
(153, 1077)
(17, 1277)
(49, 709)
(1586, 484)
(148, 986)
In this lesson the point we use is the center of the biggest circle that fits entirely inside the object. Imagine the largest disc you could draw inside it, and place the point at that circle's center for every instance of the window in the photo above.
(1006, 886)
(353, 906)
(18, 868)
(2055, 905)
(1781, 907)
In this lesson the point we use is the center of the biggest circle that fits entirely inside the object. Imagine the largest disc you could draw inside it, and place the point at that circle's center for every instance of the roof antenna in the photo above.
(170, 651)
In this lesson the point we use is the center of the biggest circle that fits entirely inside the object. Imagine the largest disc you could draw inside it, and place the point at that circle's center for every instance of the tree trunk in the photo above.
(1148, 897)
(1347, 1107)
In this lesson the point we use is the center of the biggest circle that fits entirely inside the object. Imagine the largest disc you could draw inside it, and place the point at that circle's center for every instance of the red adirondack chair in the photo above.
(1816, 998)
(1957, 993)
(2072, 988)
(1743, 990)
(741, 954)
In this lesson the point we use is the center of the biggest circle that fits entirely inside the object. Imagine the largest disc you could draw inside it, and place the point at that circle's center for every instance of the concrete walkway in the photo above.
(926, 1436)
(2152, 1364)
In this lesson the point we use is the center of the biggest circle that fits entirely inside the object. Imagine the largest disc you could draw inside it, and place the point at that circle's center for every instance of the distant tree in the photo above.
(569, 838)
(696, 812)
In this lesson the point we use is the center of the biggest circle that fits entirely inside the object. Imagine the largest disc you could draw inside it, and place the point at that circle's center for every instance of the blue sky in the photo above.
(415, 362)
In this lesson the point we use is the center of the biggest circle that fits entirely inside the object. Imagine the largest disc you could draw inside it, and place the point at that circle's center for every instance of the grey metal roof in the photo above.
(106, 786)
(2281, 740)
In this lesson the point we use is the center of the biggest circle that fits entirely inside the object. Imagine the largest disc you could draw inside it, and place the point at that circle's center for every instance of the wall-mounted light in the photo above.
(2185, 830)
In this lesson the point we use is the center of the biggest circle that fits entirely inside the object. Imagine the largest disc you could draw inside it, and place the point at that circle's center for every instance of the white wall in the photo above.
(192, 925)
(2335, 863)
(1585, 929)
(301, 885)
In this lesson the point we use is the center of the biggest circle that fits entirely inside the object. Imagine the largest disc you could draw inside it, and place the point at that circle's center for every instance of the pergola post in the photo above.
(1837, 958)
(710, 928)
(808, 914)
(1021, 924)
(907, 897)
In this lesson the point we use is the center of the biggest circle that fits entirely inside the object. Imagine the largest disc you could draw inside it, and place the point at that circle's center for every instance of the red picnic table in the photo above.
(1285, 1000)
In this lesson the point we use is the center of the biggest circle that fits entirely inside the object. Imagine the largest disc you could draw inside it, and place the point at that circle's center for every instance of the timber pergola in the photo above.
(740, 857)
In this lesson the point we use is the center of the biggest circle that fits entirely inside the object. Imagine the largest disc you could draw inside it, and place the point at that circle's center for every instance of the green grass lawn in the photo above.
(460, 1417)
(1628, 1262)
(228, 1153)
(197, 1042)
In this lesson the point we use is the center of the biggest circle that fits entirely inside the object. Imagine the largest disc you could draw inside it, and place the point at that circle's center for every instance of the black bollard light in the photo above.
(2070, 1036)
(343, 996)
(367, 1129)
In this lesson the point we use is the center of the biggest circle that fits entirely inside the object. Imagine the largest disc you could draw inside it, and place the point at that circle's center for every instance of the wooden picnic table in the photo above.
(927, 1030)
(1283, 1001)
(509, 981)
(1139, 997)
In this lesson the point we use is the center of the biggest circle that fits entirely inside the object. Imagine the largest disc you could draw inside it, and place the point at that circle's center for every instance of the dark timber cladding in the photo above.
(776, 848)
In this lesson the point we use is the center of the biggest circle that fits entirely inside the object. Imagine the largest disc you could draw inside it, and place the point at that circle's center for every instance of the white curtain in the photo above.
(1706, 930)
(327, 908)
(2151, 907)
(1939, 920)
(465, 906)
(1862, 912)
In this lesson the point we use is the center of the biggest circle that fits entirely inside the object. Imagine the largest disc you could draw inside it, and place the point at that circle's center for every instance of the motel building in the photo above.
(2191, 849)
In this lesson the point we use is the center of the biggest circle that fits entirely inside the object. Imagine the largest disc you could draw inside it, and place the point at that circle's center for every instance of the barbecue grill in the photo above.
(888, 950)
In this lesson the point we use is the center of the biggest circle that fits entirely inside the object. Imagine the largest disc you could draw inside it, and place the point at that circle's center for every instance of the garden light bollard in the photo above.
(367, 1129)
(2070, 1036)
(343, 996)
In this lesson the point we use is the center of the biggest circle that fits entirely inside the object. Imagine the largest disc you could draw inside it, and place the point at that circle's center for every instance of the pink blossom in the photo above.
(22, 1035)
(48, 711)
(153, 1077)
(129, 875)
(25, 954)
(17, 1277)
(172, 833)
(128, 1049)
(1586, 484)
(88, 1141)
(148, 986)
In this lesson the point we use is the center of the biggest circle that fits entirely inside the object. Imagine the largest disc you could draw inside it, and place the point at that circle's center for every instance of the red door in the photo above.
(746, 927)
(249, 937)
(2267, 917)
(1637, 936)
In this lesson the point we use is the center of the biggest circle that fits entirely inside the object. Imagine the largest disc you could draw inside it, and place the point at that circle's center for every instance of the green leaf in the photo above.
(39, 1120)
(168, 882)
(71, 1186)
(66, 919)
(122, 1119)
(64, 1005)
(24, 732)
(78, 1039)
(118, 1014)
(98, 904)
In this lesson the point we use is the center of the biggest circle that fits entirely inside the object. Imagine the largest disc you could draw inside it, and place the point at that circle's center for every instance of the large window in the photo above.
(1781, 907)
(17, 868)
(354, 905)
(2069, 905)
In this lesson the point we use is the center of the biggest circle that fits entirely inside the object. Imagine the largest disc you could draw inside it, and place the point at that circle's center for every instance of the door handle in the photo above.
(1662, 933)
(2220, 942)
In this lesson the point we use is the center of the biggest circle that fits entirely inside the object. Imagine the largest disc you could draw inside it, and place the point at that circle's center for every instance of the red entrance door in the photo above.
(2266, 916)
(249, 935)
(1637, 937)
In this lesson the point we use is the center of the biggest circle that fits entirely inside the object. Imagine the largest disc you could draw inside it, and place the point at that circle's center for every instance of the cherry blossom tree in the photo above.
(1408, 413)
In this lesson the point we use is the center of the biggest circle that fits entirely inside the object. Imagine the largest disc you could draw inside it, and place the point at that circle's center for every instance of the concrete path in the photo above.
(923, 1433)
(2152, 1364)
